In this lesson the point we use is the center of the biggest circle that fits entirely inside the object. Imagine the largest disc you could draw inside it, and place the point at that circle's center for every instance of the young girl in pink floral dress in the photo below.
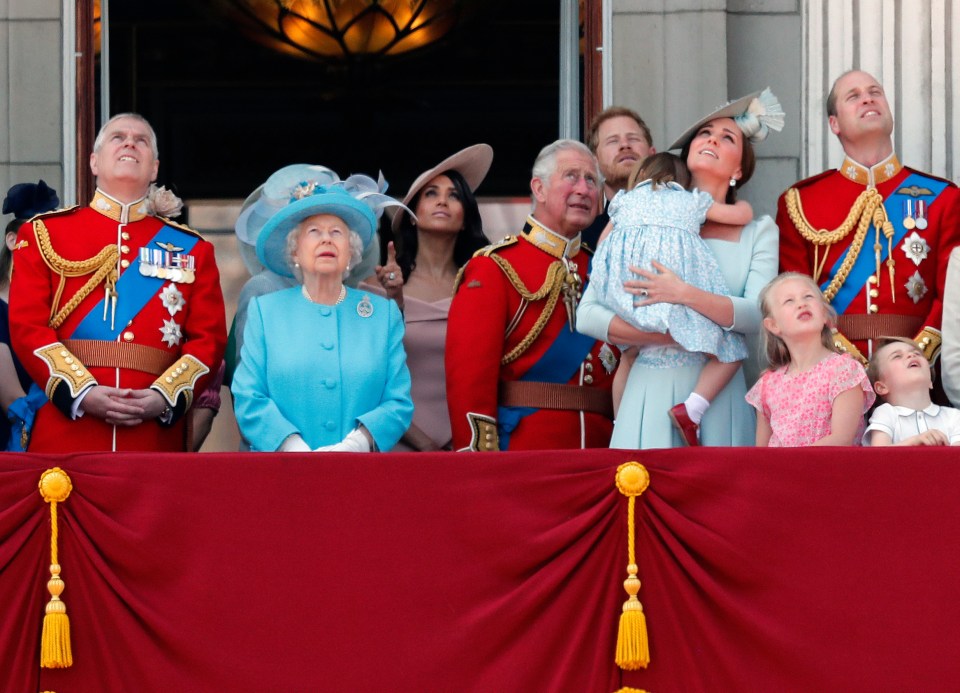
(811, 395)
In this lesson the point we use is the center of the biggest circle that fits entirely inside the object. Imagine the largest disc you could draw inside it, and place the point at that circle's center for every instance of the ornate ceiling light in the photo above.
(346, 29)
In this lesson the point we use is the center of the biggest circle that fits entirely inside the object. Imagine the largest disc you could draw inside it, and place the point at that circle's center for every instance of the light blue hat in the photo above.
(297, 192)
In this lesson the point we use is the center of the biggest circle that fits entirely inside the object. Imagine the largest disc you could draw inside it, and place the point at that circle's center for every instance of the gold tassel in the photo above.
(633, 648)
(627, 689)
(55, 487)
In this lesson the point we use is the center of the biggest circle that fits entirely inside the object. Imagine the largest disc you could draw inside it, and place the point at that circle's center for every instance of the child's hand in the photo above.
(930, 437)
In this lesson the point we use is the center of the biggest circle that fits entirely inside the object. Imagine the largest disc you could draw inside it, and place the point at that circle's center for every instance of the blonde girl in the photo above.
(811, 395)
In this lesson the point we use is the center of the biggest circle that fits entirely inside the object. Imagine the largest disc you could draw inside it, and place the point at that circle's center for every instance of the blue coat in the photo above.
(321, 370)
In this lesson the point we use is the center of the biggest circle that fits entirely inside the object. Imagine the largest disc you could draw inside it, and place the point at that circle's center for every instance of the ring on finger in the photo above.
(392, 275)
(643, 292)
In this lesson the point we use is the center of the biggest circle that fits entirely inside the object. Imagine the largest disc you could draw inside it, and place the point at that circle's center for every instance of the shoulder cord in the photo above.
(103, 266)
(550, 289)
(868, 208)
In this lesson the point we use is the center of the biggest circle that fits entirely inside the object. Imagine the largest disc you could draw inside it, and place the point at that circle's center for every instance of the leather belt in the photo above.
(556, 396)
(138, 357)
(860, 326)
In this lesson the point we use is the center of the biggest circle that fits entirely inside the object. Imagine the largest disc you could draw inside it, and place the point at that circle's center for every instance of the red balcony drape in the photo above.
(793, 570)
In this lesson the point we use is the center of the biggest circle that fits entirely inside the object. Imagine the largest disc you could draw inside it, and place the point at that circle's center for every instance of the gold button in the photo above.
(169, 379)
(184, 365)
(124, 249)
(128, 336)
(79, 373)
(872, 279)
(588, 379)
(68, 360)
(124, 263)
(874, 293)
(589, 368)
(925, 341)
(488, 436)
(589, 357)
(125, 236)
(874, 308)
(64, 352)
(74, 367)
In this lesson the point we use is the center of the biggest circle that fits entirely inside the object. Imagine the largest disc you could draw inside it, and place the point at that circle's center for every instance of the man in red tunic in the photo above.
(875, 234)
(115, 312)
(518, 376)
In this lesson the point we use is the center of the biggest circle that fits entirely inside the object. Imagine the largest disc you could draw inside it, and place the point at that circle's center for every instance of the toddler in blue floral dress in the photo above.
(657, 219)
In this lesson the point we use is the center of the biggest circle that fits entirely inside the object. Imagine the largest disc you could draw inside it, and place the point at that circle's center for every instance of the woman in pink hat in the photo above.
(421, 266)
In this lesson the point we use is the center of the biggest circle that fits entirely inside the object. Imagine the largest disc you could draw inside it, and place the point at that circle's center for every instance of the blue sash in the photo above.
(557, 365)
(135, 291)
(865, 264)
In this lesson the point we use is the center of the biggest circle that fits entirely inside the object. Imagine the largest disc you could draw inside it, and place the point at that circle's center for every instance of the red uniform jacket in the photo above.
(490, 319)
(915, 298)
(170, 344)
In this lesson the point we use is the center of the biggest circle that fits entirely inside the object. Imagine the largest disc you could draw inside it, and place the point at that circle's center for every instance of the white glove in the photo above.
(354, 442)
(294, 443)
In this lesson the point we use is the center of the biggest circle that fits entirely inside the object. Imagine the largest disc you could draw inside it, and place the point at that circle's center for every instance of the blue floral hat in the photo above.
(299, 191)
(755, 114)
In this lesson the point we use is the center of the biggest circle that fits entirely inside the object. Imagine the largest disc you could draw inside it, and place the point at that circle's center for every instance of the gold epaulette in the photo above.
(54, 212)
(181, 227)
(485, 251)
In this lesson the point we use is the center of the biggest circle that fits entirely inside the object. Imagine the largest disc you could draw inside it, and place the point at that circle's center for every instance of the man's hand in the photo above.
(122, 406)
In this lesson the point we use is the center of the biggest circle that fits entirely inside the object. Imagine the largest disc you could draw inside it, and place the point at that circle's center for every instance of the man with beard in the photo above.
(619, 138)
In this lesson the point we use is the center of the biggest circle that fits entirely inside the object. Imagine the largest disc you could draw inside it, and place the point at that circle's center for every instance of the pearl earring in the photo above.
(733, 182)
(296, 264)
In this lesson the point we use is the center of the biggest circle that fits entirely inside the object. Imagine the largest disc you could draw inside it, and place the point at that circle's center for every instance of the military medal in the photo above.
(365, 308)
(172, 299)
(916, 248)
(921, 214)
(167, 262)
(908, 222)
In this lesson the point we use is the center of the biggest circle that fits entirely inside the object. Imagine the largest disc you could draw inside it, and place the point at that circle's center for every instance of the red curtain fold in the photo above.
(831, 570)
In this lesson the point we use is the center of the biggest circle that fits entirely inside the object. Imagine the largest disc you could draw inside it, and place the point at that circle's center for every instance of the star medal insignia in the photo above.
(171, 333)
(916, 248)
(916, 287)
(172, 299)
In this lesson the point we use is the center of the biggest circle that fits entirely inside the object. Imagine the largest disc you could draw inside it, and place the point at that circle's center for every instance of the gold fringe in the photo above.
(55, 652)
(627, 689)
(633, 647)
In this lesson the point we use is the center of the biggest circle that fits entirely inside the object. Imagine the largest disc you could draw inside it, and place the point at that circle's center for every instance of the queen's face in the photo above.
(323, 246)
(716, 151)
(439, 208)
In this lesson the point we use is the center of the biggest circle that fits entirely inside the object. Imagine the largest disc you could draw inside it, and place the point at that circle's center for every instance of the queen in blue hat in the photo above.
(322, 366)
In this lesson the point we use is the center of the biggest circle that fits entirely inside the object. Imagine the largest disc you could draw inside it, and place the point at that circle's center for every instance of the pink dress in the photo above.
(799, 405)
(424, 340)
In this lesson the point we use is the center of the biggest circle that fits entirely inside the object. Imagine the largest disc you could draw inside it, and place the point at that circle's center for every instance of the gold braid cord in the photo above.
(868, 208)
(102, 265)
(550, 289)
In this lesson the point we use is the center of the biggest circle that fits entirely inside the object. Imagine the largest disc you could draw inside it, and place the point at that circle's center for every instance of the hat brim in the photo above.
(734, 108)
(272, 241)
(473, 163)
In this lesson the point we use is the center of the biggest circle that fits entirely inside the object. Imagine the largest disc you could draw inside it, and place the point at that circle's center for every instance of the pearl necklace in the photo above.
(343, 295)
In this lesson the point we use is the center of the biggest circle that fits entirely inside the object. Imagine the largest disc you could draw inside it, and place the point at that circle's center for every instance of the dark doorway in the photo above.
(229, 111)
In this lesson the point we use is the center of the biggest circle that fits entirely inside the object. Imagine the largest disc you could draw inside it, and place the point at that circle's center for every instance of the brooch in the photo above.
(365, 308)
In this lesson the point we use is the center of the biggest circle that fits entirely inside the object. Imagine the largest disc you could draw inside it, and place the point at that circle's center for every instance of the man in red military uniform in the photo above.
(116, 313)
(875, 234)
(518, 376)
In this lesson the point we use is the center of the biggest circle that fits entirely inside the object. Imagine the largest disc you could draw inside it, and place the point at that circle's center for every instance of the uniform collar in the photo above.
(871, 176)
(932, 410)
(124, 213)
(549, 241)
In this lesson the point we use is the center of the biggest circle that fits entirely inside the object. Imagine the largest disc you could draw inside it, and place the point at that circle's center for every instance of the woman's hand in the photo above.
(391, 277)
(660, 286)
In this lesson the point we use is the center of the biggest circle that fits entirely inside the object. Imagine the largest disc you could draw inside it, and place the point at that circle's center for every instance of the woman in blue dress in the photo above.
(719, 155)
(322, 365)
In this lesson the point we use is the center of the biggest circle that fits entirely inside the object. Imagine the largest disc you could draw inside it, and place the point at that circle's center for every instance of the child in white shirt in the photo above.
(902, 376)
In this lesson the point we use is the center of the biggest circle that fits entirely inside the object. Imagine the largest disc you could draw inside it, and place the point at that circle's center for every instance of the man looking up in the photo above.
(116, 312)
(619, 138)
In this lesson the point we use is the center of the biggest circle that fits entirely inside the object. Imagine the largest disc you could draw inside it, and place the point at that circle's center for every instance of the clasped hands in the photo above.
(660, 285)
(123, 406)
